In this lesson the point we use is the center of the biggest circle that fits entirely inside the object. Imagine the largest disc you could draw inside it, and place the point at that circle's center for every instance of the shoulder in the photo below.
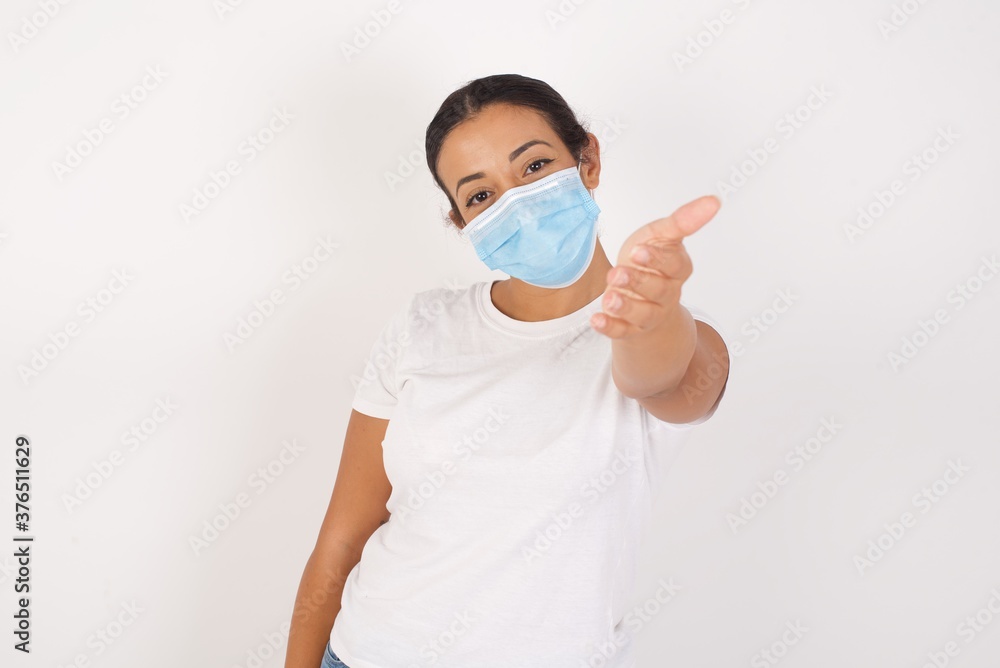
(439, 305)
(445, 294)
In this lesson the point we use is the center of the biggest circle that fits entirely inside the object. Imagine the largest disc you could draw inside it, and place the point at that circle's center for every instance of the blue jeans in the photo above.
(330, 659)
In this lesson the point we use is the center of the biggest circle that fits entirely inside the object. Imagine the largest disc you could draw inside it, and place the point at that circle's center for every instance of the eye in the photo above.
(539, 162)
(476, 194)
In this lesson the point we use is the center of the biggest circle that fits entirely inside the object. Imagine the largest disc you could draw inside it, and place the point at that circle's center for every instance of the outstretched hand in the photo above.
(644, 286)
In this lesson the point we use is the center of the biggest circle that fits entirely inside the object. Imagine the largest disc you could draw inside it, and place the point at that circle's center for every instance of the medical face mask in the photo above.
(543, 233)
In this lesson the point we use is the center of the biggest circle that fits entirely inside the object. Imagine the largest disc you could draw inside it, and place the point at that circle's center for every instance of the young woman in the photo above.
(505, 444)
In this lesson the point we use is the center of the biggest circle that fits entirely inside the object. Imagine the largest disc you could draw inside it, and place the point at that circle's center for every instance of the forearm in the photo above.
(317, 604)
(656, 361)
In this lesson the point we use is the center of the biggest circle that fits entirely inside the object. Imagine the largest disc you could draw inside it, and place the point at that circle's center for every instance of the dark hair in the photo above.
(514, 89)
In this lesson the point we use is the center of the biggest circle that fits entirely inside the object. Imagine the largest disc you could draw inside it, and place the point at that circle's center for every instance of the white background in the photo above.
(671, 131)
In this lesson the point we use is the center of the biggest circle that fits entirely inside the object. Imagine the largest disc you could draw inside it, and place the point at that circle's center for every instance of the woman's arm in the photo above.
(660, 354)
(357, 508)
(704, 376)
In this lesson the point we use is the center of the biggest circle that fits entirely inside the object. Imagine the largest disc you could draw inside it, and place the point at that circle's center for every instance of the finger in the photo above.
(614, 328)
(686, 220)
(642, 314)
(643, 285)
(671, 261)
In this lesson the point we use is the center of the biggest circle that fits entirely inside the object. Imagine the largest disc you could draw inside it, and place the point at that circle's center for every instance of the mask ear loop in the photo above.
(580, 164)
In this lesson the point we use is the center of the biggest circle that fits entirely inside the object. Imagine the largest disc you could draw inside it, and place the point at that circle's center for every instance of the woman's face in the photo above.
(502, 147)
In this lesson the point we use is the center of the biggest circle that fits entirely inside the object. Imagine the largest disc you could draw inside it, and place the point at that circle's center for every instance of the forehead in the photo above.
(486, 140)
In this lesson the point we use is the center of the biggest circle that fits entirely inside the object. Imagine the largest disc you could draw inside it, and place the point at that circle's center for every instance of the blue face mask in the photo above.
(543, 233)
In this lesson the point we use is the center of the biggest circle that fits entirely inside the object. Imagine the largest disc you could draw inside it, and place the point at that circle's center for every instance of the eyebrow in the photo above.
(512, 157)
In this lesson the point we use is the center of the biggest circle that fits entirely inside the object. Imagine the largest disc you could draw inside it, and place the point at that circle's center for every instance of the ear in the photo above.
(590, 170)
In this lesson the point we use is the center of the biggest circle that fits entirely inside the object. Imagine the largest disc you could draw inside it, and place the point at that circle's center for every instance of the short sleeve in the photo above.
(698, 314)
(377, 389)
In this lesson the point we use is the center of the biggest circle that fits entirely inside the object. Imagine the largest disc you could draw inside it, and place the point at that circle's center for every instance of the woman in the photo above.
(506, 441)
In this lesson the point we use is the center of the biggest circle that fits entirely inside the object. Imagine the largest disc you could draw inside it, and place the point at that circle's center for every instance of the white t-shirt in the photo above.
(522, 479)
